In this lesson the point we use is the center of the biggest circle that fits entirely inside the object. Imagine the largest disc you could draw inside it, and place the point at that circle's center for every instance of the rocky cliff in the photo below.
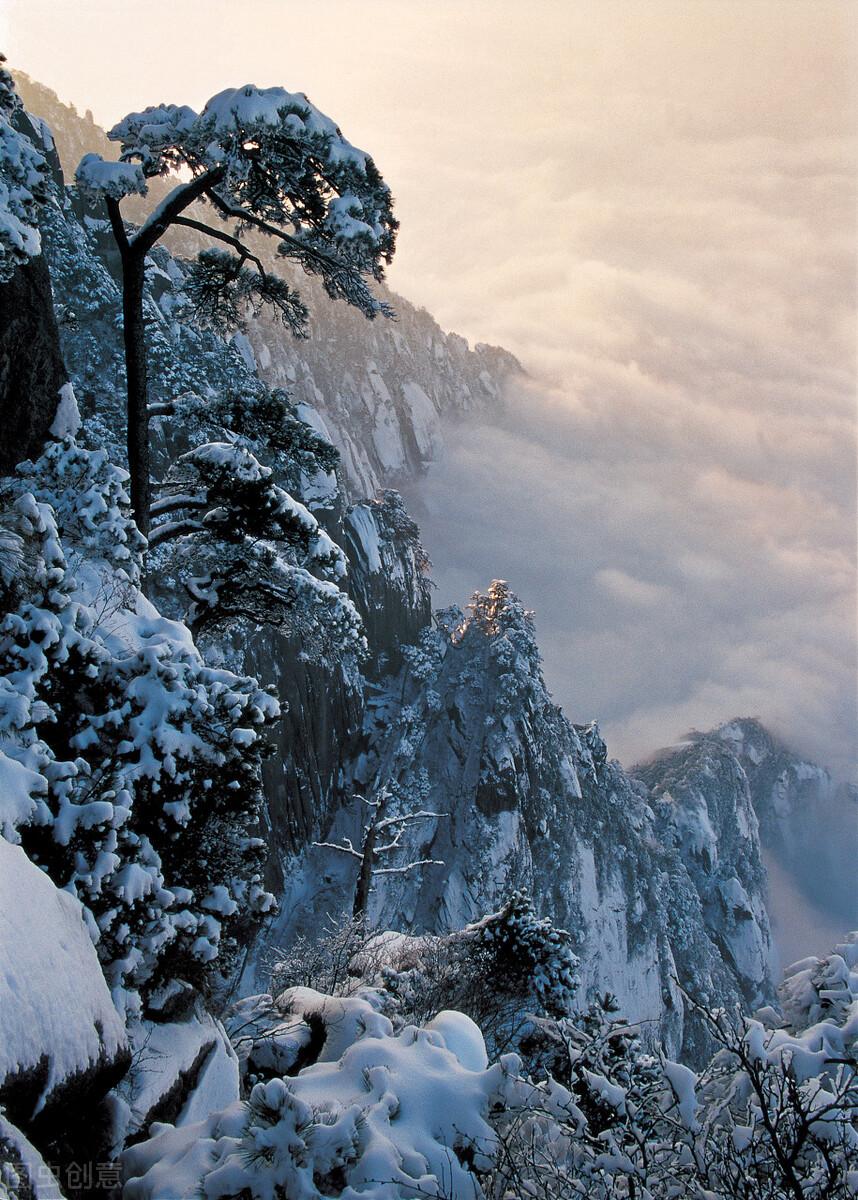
(808, 820)
(659, 879)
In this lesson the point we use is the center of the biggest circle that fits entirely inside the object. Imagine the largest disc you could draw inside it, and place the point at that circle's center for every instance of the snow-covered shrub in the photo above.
(23, 184)
(376, 1113)
(525, 952)
(821, 989)
(334, 961)
(86, 492)
(148, 759)
(350, 1104)
(248, 552)
(424, 658)
(771, 1117)
(504, 971)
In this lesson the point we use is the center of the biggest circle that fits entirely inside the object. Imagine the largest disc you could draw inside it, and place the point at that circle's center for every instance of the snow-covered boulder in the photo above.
(822, 989)
(60, 1035)
(24, 1174)
(181, 1072)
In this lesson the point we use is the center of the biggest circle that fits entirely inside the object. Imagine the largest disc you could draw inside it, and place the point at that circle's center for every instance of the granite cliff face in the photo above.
(808, 820)
(386, 393)
(658, 879)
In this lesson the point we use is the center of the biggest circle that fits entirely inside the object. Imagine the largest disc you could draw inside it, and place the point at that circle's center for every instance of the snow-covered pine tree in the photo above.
(150, 758)
(263, 160)
(236, 542)
(23, 184)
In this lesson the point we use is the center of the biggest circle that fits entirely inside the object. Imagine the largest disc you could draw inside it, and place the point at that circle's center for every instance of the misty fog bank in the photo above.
(681, 572)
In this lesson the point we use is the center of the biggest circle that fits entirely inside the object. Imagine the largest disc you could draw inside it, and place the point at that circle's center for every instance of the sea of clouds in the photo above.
(666, 238)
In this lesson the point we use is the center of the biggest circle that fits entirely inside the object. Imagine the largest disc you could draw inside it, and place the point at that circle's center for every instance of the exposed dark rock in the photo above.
(31, 365)
(388, 578)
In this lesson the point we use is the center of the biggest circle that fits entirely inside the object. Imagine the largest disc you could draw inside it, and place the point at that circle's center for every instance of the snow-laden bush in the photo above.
(345, 1101)
(248, 552)
(86, 493)
(23, 184)
(772, 1117)
(377, 1113)
(144, 761)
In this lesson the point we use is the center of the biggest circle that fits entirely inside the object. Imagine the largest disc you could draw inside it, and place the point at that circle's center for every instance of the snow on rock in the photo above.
(19, 785)
(462, 1037)
(821, 988)
(388, 573)
(66, 422)
(23, 172)
(182, 1071)
(388, 396)
(799, 805)
(56, 1016)
(424, 421)
(24, 1174)
(384, 1117)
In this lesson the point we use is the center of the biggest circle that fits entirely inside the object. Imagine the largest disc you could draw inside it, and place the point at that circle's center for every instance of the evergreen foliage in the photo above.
(150, 758)
(23, 183)
(262, 160)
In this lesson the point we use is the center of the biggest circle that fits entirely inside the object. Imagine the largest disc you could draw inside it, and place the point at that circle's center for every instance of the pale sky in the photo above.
(652, 203)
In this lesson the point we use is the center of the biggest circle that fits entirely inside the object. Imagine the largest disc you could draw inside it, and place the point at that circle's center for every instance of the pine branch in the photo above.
(347, 848)
(221, 236)
(170, 208)
(173, 529)
(171, 503)
(420, 862)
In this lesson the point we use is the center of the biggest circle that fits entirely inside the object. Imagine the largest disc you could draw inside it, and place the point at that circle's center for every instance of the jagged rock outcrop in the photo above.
(31, 366)
(387, 393)
(702, 805)
(799, 806)
(322, 709)
(388, 576)
(467, 730)
(32, 371)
